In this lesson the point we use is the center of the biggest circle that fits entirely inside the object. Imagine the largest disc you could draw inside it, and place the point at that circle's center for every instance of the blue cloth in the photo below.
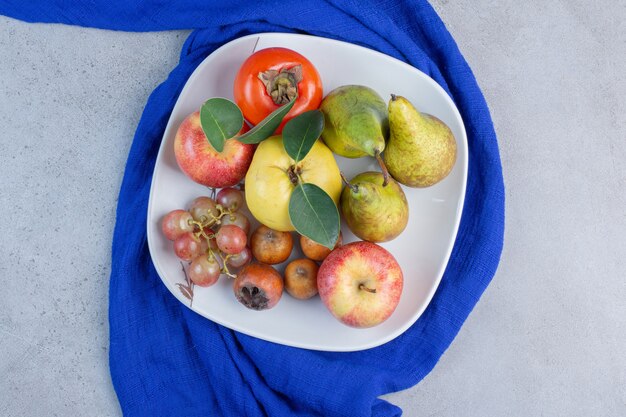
(168, 361)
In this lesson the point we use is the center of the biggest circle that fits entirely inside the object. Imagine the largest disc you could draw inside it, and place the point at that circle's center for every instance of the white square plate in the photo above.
(422, 250)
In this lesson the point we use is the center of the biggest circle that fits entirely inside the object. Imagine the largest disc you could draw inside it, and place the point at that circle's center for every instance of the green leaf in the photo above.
(267, 126)
(301, 132)
(314, 214)
(220, 119)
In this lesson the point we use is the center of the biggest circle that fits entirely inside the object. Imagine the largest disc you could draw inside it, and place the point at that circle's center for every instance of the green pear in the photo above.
(374, 211)
(356, 123)
(421, 150)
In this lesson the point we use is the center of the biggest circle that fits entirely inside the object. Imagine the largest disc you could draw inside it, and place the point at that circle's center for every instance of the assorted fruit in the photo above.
(293, 184)
(212, 235)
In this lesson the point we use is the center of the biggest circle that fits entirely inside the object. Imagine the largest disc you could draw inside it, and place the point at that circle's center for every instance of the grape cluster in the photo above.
(212, 235)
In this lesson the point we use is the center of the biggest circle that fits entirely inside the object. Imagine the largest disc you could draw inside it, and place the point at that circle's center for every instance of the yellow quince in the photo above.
(273, 175)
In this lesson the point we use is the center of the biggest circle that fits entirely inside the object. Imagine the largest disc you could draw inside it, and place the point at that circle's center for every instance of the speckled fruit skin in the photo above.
(265, 278)
(301, 278)
(421, 150)
(355, 121)
(351, 265)
(314, 250)
(202, 163)
(375, 212)
(271, 246)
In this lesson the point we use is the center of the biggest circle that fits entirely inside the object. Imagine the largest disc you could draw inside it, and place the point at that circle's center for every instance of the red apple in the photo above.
(198, 159)
(360, 283)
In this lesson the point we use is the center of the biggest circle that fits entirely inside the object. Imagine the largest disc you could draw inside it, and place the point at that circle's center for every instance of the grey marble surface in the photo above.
(548, 337)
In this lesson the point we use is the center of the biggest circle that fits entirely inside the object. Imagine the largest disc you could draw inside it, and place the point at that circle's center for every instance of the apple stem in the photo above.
(364, 288)
(353, 187)
(383, 167)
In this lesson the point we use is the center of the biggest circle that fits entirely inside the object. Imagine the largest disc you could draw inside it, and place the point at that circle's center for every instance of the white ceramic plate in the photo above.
(422, 250)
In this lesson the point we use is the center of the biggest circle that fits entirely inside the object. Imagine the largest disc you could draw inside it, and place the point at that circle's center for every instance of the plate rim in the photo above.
(459, 209)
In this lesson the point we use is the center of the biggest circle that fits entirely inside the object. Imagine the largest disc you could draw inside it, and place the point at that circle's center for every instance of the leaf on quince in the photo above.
(267, 126)
(220, 119)
(314, 214)
(301, 132)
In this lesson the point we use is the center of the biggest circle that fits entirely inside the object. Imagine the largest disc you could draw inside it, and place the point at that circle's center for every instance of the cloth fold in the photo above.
(166, 360)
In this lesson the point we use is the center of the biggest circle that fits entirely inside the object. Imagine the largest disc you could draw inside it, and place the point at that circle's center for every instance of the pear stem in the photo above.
(353, 187)
(364, 288)
(383, 167)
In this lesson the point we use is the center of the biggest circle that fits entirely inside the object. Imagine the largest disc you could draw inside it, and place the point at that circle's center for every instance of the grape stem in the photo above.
(200, 233)
(225, 269)
(210, 221)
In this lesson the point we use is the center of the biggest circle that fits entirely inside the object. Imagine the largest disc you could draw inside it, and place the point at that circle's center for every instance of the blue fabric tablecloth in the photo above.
(168, 361)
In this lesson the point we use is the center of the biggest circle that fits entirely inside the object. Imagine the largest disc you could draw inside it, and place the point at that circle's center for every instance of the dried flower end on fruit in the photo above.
(272, 77)
(282, 85)
(258, 286)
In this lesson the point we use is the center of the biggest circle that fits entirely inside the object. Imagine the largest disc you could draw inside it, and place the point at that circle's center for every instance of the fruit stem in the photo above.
(383, 167)
(190, 284)
(353, 187)
(225, 269)
(294, 174)
(394, 97)
(364, 288)
(199, 226)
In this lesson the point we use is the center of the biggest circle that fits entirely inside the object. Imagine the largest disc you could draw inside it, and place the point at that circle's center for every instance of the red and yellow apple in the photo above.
(360, 283)
(199, 160)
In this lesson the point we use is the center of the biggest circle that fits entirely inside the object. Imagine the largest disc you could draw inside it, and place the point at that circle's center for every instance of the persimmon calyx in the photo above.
(282, 85)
